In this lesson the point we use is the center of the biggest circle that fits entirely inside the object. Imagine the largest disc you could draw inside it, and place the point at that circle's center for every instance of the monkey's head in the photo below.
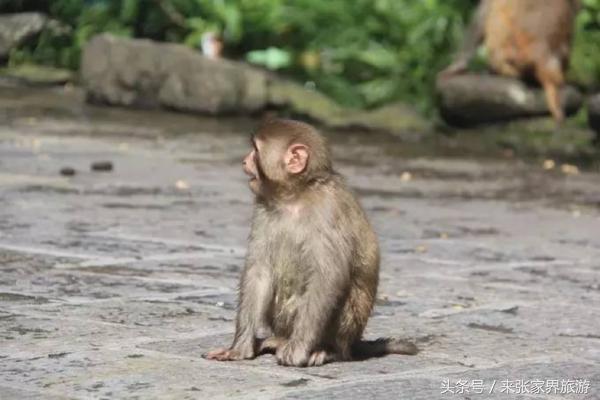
(286, 156)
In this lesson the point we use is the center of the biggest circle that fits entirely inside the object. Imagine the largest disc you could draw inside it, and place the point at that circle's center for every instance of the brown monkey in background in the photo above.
(312, 268)
(524, 38)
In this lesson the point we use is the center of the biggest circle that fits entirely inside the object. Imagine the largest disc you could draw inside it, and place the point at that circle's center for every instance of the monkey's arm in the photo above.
(473, 38)
(255, 295)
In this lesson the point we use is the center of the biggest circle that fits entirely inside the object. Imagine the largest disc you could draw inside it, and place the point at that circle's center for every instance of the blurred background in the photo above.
(361, 53)
(366, 64)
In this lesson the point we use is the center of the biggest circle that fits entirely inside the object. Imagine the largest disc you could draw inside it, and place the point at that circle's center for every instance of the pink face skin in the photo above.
(295, 160)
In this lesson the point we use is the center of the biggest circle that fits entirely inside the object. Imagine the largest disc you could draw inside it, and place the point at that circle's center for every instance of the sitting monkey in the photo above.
(312, 267)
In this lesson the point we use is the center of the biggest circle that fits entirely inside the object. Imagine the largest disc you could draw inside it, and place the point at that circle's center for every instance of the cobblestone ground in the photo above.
(112, 284)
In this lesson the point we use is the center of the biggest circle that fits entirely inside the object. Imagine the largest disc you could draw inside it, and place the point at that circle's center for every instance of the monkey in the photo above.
(524, 39)
(312, 266)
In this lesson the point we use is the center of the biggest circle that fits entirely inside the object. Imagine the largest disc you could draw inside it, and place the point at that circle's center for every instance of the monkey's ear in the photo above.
(296, 158)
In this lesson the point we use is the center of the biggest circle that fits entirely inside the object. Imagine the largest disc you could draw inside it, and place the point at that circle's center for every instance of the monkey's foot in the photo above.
(320, 357)
(293, 354)
(226, 355)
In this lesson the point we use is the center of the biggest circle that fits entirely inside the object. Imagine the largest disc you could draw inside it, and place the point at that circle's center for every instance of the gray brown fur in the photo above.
(312, 267)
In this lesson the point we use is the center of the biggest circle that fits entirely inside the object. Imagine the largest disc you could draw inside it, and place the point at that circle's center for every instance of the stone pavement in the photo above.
(112, 284)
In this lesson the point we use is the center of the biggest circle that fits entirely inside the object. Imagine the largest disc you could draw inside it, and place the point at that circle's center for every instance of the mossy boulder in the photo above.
(31, 74)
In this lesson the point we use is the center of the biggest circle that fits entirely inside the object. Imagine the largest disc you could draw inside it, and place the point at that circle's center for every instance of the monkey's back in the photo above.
(521, 33)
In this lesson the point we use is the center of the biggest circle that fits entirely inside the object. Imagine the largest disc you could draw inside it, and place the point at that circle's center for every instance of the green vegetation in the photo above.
(363, 53)
(585, 58)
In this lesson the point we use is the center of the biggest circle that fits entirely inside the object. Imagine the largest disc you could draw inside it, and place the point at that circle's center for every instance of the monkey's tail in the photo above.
(364, 349)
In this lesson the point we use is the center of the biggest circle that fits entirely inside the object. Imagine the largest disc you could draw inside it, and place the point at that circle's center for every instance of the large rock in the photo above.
(17, 28)
(143, 73)
(470, 99)
(594, 112)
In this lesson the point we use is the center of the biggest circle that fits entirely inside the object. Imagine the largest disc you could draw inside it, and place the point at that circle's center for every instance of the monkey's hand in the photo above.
(293, 353)
(234, 353)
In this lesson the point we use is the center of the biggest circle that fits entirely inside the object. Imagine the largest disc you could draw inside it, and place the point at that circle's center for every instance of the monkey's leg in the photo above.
(316, 309)
(551, 91)
(549, 74)
(472, 39)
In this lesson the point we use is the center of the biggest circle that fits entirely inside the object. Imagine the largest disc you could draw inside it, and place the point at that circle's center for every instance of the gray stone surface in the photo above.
(113, 284)
(472, 99)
